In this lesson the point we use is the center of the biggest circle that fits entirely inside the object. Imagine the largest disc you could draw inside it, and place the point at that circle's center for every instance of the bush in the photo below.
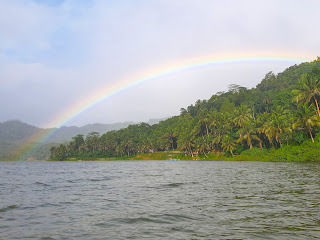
(255, 152)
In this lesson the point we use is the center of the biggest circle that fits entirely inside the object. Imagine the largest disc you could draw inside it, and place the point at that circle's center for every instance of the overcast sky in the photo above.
(55, 53)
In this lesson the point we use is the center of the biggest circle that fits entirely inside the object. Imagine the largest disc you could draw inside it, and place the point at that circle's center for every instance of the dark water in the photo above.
(159, 200)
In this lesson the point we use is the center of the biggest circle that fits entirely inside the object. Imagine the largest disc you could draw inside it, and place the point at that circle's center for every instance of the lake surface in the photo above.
(159, 200)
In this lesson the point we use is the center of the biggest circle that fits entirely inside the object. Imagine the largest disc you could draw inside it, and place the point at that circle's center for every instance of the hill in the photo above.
(14, 134)
(281, 112)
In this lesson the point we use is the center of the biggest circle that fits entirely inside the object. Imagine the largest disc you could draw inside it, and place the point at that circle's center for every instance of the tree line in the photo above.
(282, 110)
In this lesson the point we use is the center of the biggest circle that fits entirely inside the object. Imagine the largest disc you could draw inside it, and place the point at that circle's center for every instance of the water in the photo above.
(159, 200)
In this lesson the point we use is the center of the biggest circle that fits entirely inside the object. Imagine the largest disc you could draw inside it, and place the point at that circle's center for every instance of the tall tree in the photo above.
(277, 125)
(204, 116)
(228, 144)
(307, 89)
(248, 135)
(306, 119)
(242, 116)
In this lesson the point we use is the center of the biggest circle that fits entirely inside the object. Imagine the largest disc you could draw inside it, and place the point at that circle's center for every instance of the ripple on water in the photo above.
(172, 185)
(159, 200)
(9, 208)
(138, 220)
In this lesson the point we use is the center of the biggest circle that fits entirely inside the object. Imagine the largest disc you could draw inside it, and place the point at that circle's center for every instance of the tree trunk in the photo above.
(231, 153)
(253, 112)
(190, 150)
(315, 100)
(207, 130)
(311, 135)
(249, 141)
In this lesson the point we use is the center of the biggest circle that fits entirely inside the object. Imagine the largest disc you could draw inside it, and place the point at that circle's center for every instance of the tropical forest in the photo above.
(278, 120)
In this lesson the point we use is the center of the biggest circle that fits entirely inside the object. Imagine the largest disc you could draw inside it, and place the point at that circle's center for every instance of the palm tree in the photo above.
(61, 152)
(248, 135)
(170, 136)
(307, 89)
(228, 144)
(92, 141)
(243, 116)
(186, 143)
(221, 125)
(205, 119)
(127, 145)
(119, 150)
(277, 125)
(78, 141)
(306, 119)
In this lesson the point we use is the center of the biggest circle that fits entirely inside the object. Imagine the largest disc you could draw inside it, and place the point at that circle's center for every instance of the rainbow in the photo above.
(132, 81)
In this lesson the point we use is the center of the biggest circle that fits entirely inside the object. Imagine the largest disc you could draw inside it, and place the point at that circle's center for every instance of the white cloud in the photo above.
(61, 54)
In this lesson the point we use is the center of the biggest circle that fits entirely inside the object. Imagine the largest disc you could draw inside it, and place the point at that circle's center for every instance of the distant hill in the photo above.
(15, 130)
(66, 133)
(14, 133)
(63, 134)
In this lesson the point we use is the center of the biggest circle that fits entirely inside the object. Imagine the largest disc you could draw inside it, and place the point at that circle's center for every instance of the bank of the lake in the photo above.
(307, 151)
(302, 153)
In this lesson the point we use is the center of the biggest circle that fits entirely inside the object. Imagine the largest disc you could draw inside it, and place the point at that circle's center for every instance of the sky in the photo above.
(56, 53)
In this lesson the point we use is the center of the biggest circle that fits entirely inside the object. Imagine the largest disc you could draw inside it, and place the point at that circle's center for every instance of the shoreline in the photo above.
(202, 160)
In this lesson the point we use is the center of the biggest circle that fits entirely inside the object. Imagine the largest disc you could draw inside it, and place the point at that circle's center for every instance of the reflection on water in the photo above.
(159, 200)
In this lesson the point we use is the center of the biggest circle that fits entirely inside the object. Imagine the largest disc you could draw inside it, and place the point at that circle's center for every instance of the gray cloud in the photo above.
(52, 57)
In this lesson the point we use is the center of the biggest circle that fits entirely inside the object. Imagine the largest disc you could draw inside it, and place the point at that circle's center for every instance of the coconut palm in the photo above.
(306, 119)
(221, 125)
(307, 89)
(242, 116)
(186, 142)
(201, 145)
(277, 125)
(92, 141)
(248, 134)
(205, 119)
(228, 144)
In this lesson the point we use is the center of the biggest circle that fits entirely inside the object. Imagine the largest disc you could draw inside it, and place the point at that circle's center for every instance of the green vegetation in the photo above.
(15, 138)
(278, 121)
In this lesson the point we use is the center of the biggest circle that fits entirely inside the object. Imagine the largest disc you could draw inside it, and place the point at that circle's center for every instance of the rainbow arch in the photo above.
(132, 81)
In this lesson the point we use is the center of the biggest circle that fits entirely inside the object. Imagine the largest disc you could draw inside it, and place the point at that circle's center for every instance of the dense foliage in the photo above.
(15, 138)
(282, 112)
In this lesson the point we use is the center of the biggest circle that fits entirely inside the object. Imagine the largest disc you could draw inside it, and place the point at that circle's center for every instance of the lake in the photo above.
(159, 200)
